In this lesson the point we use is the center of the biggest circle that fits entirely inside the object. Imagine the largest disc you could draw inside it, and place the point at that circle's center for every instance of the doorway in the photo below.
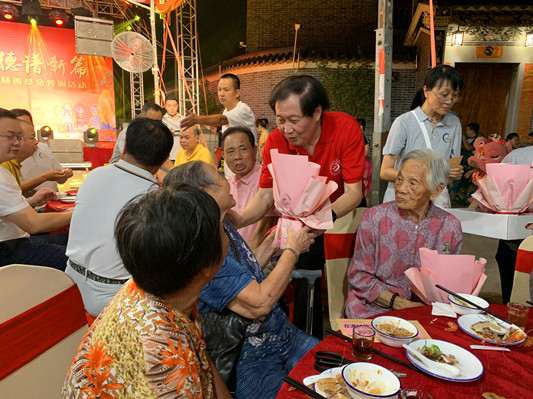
(485, 96)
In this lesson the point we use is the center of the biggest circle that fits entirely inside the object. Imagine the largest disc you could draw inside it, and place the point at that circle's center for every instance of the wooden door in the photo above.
(485, 96)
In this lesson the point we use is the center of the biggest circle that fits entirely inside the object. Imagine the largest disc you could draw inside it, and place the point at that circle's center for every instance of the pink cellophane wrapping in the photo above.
(300, 194)
(459, 273)
(506, 188)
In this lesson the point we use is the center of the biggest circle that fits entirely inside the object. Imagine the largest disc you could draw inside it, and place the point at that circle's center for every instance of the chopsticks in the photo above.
(303, 388)
(378, 352)
(471, 303)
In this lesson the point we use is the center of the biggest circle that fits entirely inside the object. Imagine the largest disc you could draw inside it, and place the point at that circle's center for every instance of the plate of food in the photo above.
(67, 198)
(491, 330)
(468, 366)
(329, 384)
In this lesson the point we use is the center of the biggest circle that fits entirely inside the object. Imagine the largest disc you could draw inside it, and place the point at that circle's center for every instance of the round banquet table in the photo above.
(508, 374)
(99, 155)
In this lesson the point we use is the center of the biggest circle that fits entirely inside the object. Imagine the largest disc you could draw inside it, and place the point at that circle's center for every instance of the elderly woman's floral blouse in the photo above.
(386, 245)
(141, 347)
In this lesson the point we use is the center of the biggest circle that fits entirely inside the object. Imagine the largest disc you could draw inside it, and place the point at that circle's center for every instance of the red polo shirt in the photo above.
(340, 151)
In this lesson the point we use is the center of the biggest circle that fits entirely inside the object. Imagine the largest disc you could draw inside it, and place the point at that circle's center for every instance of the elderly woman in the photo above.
(272, 345)
(430, 125)
(148, 342)
(391, 234)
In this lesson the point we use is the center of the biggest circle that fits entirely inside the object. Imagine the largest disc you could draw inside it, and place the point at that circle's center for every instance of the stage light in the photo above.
(58, 17)
(33, 21)
(9, 12)
(129, 27)
(45, 133)
(137, 18)
(90, 137)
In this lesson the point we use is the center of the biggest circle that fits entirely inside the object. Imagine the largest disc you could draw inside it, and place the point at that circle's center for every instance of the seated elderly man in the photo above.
(391, 234)
(240, 156)
(272, 345)
(148, 342)
(191, 148)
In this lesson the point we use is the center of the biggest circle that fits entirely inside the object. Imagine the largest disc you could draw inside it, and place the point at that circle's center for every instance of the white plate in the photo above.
(67, 198)
(470, 366)
(330, 373)
(465, 322)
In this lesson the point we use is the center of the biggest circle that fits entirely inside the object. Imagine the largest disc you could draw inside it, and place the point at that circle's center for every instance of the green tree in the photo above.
(207, 100)
(350, 87)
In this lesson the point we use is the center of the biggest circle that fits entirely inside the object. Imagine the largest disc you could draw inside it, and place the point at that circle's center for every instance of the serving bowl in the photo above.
(379, 382)
(461, 307)
(392, 340)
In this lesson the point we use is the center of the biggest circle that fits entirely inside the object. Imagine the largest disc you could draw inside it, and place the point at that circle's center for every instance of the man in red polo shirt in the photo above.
(331, 139)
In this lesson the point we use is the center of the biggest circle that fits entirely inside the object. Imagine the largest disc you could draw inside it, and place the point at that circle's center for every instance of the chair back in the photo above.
(522, 272)
(42, 322)
(338, 246)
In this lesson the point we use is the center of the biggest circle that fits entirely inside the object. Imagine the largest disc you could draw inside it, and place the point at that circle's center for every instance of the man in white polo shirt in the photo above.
(18, 219)
(94, 263)
(236, 113)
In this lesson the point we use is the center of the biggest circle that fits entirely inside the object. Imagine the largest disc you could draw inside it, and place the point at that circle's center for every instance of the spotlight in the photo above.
(58, 17)
(45, 133)
(129, 27)
(90, 137)
(33, 21)
(137, 18)
(9, 12)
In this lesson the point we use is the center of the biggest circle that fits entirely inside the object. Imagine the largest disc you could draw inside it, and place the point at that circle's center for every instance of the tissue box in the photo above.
(505, 227)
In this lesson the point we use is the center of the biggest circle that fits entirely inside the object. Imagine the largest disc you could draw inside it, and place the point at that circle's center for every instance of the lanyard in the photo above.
(424, 130)
(135, 174)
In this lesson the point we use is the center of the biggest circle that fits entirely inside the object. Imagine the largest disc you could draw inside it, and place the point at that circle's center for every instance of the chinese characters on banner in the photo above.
(41, 71)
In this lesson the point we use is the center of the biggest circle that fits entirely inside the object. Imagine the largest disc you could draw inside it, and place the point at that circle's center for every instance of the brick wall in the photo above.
(256, 88)
(325, 24)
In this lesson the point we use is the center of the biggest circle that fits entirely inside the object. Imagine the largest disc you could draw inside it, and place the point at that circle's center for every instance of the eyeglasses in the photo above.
(453, 98)
(20, 139)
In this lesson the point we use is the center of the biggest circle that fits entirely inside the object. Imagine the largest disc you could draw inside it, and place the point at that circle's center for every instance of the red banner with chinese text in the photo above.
(41, 71)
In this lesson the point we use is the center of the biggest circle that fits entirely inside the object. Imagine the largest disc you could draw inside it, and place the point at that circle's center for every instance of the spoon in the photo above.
(443, 369)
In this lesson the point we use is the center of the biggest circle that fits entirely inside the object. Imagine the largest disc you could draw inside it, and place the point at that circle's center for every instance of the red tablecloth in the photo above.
(58, 206)
(509, 374)
(98, 156)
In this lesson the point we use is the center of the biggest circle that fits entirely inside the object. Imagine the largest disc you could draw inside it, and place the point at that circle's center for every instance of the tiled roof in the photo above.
(282, 55)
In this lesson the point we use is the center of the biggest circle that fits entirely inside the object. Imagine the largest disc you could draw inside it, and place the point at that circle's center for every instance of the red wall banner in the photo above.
(41, 71)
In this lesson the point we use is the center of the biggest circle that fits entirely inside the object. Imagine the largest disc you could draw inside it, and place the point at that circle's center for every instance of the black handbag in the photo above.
(224, 334)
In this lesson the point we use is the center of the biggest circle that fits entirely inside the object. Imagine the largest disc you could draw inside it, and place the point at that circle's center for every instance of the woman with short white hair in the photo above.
(390, 236)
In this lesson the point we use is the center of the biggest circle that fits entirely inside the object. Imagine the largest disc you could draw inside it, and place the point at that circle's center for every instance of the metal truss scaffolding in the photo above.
(187, 57)
(137, 93)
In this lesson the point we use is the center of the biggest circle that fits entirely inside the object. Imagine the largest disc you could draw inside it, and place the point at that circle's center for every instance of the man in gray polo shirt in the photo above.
(94, 263)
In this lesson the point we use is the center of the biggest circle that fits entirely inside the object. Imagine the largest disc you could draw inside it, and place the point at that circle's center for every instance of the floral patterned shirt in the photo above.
(386, 245)
(141, 347)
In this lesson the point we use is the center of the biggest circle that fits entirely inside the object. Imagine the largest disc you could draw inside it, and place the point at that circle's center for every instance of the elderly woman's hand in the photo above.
(300, 240)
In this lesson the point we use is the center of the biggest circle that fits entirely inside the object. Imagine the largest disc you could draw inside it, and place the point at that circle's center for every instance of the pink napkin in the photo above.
(458, 273)
(506, 188)
(300, 194)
